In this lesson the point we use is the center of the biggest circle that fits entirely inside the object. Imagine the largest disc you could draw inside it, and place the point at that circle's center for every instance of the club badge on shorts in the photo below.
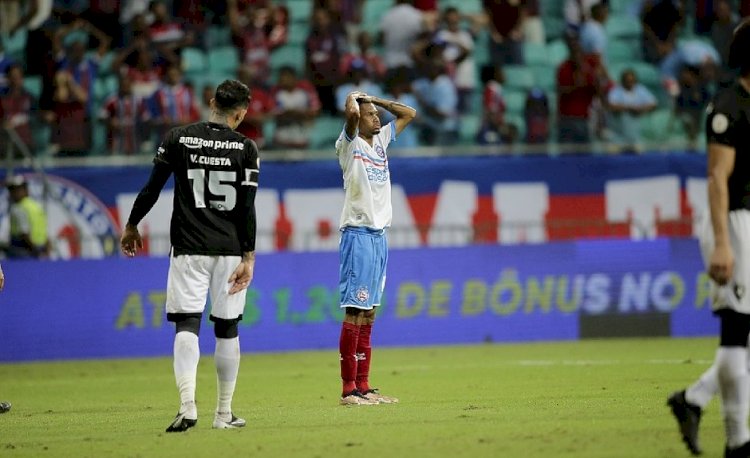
(362, 294)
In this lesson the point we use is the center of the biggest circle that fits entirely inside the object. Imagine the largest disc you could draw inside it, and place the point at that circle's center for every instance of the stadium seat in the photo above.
(217, 36)
(551, 8)
(554, 27)
(623, 26)
(469, 126)
(373, 10)
(545, 77)
(519, 76)
(223, 60)
(193, 60)
(104, 87)
(519, 122)
(298, 35)
(623, 51)
(535, 54)
(464, 6)
(98, 137)
(15, 45)
(33, 84)
(299, 11)
(621, 7)
(557, 52)
(647, 74)
(288, 55)
(325, 132)
(515, 101)
(661, 125)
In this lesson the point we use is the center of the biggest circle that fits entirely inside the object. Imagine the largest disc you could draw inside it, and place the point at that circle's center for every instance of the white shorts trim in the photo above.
(734, 295)
(192, 278)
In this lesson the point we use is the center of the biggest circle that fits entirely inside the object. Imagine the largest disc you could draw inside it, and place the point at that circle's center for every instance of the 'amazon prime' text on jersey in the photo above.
(216, 174)
(367, 181)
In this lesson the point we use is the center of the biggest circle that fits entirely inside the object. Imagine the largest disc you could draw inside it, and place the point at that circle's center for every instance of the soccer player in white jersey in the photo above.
(725, 244)
(363, 251)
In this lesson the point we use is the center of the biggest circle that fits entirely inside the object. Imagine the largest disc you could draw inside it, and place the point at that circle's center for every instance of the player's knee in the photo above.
(368, 316)
(186, 322)
(225, 329)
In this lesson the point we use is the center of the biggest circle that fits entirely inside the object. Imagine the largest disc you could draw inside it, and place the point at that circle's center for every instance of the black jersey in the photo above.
(216, 177)
(728, 123)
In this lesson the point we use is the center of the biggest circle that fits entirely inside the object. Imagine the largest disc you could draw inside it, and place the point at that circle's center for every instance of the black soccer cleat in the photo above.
(181, 424)
(743, 451)
(4, 407)
(688, 419)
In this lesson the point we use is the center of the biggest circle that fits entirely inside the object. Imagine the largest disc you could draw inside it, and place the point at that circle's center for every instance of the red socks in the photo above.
(348, 343)
(364, 351)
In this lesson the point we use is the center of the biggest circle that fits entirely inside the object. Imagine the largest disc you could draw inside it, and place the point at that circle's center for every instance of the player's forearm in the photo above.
(718, 201)
(150, 193)
(398, 109)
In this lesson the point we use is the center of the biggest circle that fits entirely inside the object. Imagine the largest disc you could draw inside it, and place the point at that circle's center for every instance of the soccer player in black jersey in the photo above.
(725, 245)
(4, 406)
(212, 234)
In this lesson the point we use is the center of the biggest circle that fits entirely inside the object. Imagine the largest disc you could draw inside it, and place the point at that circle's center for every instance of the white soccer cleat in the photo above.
(227, 420)
(374, 395)
(355, 398)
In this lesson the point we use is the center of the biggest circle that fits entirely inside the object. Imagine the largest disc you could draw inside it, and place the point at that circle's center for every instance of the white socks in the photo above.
(227, 359)
(734, 380)
(705, 388)
(186, 356)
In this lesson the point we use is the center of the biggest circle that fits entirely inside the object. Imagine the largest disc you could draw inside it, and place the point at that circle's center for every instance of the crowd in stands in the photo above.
(86, 77)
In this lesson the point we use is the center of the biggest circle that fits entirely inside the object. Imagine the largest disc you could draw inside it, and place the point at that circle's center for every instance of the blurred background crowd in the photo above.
(81, 78)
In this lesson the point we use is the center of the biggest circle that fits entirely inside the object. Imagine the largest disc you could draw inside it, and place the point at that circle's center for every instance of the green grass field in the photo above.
(601, 398)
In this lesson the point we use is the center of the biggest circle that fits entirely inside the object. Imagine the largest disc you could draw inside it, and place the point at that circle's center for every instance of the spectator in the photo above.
(10, 15)
(69, 46)
(373, 62)
(438, 99)
(536, 116)
(627, 102)
(124, 113)
(399, 28)
(324, 48)
(691, 101)
(694, 53)
(36, 19)
(28, 222)
(261, 107)
(105, 14)
(143, 66)
(357, 80)
(173, 104)
(17, 108)
(722, 31)
(204, 105)
(430, 12)
(166, 34)
(297, 106)
(459, 54)
(255, 37)
(661, 21)
(593, 36)
(506, 35)
(71, 132)
(351, 16)
(399, 90)
(494, 130)
(577, 12)
(533, 27)
(577, 86)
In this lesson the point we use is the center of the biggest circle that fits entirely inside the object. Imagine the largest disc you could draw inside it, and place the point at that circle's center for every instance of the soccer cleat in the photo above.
(228, 421)
(4, 407)
(355, 398)
(180, 423)
(688, 419)
(743, 451)
(374, 395)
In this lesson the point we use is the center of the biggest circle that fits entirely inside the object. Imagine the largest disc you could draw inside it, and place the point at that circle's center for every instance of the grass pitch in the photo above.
(596, 398)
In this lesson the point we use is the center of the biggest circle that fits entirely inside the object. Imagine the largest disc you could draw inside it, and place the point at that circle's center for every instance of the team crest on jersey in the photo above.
(362, 294)
(380, 151)
(78, 223)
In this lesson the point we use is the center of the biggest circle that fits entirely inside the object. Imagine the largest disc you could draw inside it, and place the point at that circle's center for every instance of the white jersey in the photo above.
(367, 181)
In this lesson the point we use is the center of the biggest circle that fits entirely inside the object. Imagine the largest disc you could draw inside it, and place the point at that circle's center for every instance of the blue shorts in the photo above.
(363, 255)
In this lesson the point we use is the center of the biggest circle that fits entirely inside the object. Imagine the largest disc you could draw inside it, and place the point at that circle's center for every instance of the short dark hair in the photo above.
(232, 94)
(738, 48)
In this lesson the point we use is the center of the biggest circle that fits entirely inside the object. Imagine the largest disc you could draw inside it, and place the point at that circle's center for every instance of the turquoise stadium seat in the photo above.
(519, 77)
(288, 55)
(647, 74)
(557, 52)
(193, 60)
(464, 6)
(545, 77)
(661, 125)
(623, 51)
(554, 27)
(551, 8)
(372, 11)
(223, 60)
(535, 54)
(515, 101)
(325, 132)
(15, 45)
(623, 26)
(469, 126)
(298, 34)
(33, 84)
(300, 11)
(104, 87)
(218, 36)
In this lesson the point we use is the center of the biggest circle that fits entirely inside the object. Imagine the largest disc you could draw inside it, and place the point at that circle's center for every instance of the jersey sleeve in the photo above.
(388, 133)
(167, 150)
(721, 122)
(246, 222)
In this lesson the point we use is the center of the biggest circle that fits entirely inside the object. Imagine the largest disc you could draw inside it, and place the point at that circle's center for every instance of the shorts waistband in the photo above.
(364, 230)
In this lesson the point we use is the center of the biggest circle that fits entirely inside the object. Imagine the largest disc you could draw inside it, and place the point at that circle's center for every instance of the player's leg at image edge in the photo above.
(227, 357)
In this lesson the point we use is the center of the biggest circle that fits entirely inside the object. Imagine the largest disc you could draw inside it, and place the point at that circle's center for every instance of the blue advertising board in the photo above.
(114, 307)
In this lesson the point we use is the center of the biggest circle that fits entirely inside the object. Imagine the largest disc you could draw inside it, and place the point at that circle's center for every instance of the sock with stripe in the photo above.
(364, 354)
(347, 355)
